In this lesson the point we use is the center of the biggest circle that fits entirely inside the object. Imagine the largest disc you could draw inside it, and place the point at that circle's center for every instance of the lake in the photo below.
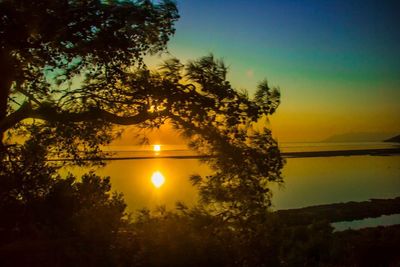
(307, 181)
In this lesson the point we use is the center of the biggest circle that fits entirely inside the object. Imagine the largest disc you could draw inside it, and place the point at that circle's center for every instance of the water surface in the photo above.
(308, 181)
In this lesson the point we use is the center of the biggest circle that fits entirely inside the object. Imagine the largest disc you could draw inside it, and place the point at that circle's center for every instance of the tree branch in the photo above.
(15, 117)
(51, 114)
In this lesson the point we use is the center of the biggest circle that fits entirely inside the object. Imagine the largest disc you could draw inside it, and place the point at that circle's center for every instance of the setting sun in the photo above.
(157, 148)
(157, 179)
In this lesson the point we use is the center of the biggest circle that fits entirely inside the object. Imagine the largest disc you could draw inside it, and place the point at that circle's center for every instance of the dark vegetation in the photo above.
(52, 221)
(73, 70)
(340, 211)
(368, 247)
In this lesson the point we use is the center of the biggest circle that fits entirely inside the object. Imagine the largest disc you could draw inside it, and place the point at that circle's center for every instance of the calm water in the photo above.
(324, 180)
(308, 181)
(181, 150)
(320, 146)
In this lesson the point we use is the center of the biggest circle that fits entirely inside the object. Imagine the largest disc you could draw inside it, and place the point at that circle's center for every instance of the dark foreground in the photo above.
(298, 237)
(339, 212)
(372, 247)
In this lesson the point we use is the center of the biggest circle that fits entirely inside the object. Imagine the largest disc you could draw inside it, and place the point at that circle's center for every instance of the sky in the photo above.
(337, 63)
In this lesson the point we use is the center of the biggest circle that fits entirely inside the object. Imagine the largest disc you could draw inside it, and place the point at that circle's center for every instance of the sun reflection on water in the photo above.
(157, 179)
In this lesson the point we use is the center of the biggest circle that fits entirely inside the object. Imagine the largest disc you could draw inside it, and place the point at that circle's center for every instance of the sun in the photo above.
(157, 179)
(157, 148)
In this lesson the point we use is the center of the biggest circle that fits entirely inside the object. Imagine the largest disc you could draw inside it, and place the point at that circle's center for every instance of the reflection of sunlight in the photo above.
(152, 108)
(157, 179)
(156, 108)
(157, 148)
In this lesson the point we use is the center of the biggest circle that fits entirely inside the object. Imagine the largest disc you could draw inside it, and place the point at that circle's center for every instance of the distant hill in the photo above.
(394, 139)
(358, 137)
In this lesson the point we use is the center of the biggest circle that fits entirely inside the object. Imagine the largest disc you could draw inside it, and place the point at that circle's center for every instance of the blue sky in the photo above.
(337, 63)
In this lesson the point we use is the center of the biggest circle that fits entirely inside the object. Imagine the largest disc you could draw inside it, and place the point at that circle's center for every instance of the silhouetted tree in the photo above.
(47, 220)
(76, 69)
(222, 122)
(59, 60)
(72, 70)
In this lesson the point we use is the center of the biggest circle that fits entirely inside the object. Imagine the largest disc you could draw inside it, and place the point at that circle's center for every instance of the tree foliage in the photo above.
(47, 219)
(221, 122)
(59, 58)
(72, 70)
(77, 71)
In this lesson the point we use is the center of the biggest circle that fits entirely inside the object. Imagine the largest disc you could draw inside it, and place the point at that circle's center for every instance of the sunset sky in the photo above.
(337, 63)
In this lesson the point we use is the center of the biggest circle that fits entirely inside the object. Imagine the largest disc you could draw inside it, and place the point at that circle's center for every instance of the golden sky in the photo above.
(337, 63)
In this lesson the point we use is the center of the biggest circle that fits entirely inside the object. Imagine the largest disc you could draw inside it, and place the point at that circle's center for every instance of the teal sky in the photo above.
(337, 63)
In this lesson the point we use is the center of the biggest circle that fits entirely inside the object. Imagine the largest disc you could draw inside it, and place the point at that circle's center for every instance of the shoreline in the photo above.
(340, 212)
(350, 152)
(304, 154)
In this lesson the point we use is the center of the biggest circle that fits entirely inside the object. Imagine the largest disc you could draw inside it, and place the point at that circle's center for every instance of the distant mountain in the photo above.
(394, 139)
(359, 137)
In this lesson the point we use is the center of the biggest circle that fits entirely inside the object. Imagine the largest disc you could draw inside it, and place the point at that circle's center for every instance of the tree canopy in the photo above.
(74, 69)
(54, 51)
